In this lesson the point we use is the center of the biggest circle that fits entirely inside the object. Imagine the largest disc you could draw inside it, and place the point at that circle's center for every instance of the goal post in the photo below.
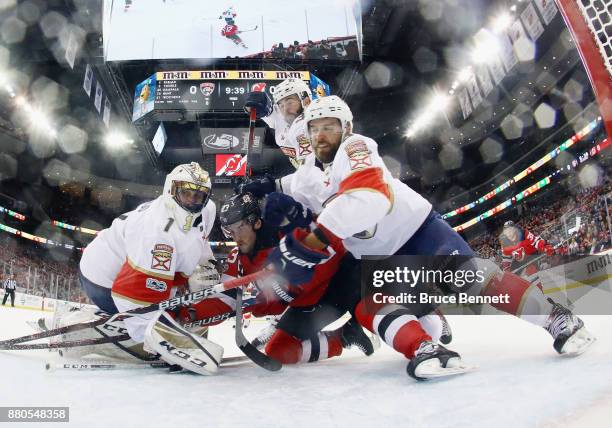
(590, 23)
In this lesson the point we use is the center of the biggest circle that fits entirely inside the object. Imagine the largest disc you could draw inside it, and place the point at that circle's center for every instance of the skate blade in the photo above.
(432, 369)
(578, 343)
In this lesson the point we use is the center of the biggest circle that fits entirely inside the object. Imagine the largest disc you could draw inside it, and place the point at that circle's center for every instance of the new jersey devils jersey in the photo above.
(306, 294)
(229, 30)
(527, 245)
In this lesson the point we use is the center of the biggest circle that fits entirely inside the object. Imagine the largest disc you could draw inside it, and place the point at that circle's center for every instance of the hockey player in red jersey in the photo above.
(231, 32)
(373, 213)
(305, 308)
(520, 245)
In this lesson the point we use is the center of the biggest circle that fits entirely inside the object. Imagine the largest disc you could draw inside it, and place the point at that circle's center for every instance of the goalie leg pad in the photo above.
(175, 345)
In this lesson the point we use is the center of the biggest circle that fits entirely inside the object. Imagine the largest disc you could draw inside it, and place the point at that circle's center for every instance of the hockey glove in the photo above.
(204, 276)
(275, 288)
(294, 260)
(285, 212)
(258, 187)
(260, 101)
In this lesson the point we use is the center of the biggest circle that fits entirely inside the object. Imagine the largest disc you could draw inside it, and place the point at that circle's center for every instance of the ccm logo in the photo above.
(293, 259)
(185, 356)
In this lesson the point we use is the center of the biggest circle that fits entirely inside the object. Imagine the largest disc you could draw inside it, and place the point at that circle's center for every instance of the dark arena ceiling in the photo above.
(412, 50)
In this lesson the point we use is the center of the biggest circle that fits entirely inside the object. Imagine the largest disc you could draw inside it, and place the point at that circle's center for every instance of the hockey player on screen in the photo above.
(231, 32)
(144, 257)
(520, 245)
(228, 15)
(297, 337)
(373, 213)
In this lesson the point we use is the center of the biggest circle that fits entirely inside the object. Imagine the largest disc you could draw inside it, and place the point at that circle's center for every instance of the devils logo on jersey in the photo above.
(207, 88)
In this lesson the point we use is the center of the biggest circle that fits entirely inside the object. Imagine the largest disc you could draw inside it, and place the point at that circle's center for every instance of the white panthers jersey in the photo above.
(146, 242)
(290, 138)
(372, 212)
(309, 185)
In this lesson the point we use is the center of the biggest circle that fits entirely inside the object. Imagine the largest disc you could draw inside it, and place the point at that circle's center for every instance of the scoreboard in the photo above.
(203, 91)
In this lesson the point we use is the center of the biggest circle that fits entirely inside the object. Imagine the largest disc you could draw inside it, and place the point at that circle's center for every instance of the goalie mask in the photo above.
(186, 193)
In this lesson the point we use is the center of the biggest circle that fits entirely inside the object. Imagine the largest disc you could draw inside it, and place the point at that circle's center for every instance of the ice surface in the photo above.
(521, 382)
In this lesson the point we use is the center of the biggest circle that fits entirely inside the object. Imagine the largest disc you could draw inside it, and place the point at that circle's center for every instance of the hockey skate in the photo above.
(352, 335)
(571, 337)
(432, 361)
(447, 334)
(266, 334)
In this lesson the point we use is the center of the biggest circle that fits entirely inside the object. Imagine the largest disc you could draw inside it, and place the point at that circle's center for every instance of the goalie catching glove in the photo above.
(205, 275)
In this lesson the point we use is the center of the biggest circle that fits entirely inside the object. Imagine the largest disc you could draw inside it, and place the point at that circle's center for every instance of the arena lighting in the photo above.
(501, 22)
(38, 118)
(464, 74)
(486, 49)
(438, 104)
(117, 139)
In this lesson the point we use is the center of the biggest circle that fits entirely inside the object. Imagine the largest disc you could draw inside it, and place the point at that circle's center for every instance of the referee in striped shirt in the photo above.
(9, 289)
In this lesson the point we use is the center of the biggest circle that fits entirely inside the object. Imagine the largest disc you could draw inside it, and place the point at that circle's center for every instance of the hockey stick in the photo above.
(163, 305)
(242, 342)
(246, 31)
(89, 365)
(70, 344)
(246, 347)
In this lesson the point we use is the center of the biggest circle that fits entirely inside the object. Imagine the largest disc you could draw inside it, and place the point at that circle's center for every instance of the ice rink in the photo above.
(520, 382)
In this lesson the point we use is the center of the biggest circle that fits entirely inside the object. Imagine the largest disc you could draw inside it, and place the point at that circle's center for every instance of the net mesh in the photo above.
(598, 17)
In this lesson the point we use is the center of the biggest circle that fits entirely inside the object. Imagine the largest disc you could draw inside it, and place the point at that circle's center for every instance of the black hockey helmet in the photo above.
(509, 223)
(240, 207)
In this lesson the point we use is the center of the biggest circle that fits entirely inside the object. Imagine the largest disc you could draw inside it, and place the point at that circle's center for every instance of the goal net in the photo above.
(590, 22)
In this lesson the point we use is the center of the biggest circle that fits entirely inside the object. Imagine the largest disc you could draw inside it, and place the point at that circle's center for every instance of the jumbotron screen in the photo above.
(162, 29)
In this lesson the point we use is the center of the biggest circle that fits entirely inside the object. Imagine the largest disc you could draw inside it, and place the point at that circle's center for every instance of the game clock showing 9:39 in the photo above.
(206, 95)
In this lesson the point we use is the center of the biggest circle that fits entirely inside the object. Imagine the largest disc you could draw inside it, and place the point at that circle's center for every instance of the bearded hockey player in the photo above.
(144, 257)
(308, 184)
(373, 213)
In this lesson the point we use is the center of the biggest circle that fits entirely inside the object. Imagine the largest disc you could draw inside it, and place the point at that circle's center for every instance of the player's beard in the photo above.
(325, 151)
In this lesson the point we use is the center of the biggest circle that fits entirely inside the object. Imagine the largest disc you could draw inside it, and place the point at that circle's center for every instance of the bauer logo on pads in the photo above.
(230, 165)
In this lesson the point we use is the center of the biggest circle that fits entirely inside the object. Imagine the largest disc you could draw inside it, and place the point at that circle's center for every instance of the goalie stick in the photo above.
(93, 365)
(9, 344)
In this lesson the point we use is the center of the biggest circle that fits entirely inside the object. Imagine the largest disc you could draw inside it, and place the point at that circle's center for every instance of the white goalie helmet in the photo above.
(186, 193)
(330, 106)
(291, 87)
